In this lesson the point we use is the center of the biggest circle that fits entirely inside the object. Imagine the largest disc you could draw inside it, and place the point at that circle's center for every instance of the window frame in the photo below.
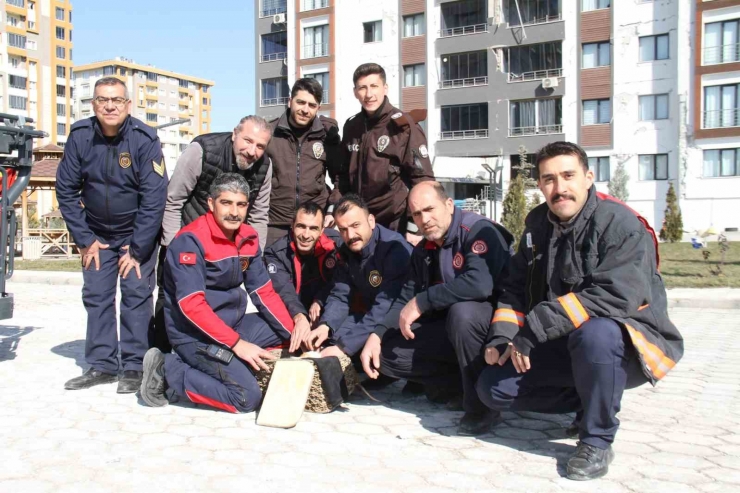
(736, 173)
(654, 159)
(598, 167)
(655, 38)
(598, 7)
(377, 27)
(599, 102)
(418, 68)
(411, 17)
(655, 107)
(599, 61)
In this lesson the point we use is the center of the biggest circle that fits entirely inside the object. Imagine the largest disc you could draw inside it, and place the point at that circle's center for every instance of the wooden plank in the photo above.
(286, 394)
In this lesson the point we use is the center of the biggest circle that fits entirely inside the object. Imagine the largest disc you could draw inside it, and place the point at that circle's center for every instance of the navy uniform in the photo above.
(365, 285)
(113, 189)
(455, 286)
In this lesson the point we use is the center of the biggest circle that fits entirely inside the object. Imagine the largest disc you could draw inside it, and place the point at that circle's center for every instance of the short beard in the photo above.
(242, 163)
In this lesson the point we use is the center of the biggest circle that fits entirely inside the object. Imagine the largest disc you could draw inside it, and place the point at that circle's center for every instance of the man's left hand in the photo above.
(314, 312)
(520, 361)
(331, 351)
(126, 263)
(301, 331)
(413, 239)
(409, 315)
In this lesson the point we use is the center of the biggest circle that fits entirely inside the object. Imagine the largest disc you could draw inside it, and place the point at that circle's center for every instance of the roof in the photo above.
(46, 168)
(138, 66)
(54, 213)
(49, 148)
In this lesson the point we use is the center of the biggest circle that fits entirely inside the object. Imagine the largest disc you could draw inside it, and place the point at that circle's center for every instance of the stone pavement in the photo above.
(679, 437)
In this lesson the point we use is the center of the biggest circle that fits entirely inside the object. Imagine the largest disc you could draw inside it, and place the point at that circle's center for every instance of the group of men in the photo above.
(381, 267)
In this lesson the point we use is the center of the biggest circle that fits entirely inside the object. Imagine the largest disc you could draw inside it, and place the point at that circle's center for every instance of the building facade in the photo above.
(159, 97)
(649, 85)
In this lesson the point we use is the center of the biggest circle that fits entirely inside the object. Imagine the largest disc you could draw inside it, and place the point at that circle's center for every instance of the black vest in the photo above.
(218, 155)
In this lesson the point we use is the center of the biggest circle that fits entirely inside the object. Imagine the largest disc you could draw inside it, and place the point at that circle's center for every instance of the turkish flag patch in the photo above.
(187, 258)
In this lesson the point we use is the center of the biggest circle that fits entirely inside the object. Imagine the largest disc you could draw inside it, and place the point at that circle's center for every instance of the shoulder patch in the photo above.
(374, 278)
(271, 268)
(458, 260)
(329, 263)
(244, 263)
(187, 258)
(479, 247)
(401, 120)
(158, 167)
(396, 115)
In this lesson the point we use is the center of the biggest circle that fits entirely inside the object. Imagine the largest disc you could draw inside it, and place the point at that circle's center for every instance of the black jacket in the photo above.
(603, 263)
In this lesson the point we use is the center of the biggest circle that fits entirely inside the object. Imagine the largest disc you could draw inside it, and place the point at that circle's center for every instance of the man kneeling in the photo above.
(206, 265)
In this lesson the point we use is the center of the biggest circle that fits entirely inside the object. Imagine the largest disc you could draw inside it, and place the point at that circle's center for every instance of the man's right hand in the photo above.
(252, 354)
(370, 356)
(91, 254)
(318, 336)
(301, 331)
(494, 358)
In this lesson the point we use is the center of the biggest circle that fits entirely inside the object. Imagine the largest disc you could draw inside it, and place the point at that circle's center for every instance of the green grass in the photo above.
(64, 265)
(684, 267)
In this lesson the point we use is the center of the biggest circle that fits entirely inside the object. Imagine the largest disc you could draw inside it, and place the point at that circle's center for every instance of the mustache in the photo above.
(233, 218)
(354, 240)
(564, 196)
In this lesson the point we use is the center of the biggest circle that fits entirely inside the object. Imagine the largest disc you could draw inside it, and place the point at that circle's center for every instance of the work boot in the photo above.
(129, 382)
(412, 389)
(478, 423)
(89, 379)
(589, 462)
(154, 385)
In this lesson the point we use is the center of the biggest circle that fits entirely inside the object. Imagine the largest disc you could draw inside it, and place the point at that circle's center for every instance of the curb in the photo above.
(46, 277)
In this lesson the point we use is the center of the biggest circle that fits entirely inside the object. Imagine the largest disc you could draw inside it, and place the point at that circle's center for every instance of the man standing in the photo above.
(373, 263)
(303, 149)
(584, 311)
(444, 309)
(385, 153)
(207, 264)
(112, 186)
(302, 264)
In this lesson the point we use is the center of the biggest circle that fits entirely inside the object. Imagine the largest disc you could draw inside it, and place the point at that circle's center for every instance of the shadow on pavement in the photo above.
(74, 350)
(10, 337)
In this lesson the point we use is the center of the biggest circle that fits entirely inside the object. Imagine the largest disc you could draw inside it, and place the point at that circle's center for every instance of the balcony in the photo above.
(534, 21)
(464, 135)
(714, 55)
(316, 50)
(272, 7)
(536, 75)
(721, 118)
(307, 5)
(470, 82)
(464, 30)
(539, 130)
(274, 102)
(271, 57)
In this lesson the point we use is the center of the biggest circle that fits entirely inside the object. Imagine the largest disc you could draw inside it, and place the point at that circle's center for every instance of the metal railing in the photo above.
(722, 54)
(535, 75)
(316, 50)
(538, 130)
(314, 5)
(461, 31)
(274, 101)
(464, 135)
(537, 20)
(271, 57)
(721, 118)
(469, 82)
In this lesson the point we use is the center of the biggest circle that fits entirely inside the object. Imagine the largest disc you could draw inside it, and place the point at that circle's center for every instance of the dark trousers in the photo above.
(99, 298)
(274, 233)
(446, 352)
(585, 371)
(231, 387)
(158, 335)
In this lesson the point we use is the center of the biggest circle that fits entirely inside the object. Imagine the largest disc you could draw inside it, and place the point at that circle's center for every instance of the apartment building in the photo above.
(36, 64)
(159, 97)
(646, 84)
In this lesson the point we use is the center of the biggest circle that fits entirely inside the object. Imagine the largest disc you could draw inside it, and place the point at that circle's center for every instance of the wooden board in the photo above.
(286, 393)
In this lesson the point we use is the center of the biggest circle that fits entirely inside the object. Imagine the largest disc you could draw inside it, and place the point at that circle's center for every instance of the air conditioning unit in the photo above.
(550, 82)
(278, 19)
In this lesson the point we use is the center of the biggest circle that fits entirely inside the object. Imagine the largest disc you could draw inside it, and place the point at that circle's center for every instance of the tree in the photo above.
(672, 229)
(618, 183)
(515, 206)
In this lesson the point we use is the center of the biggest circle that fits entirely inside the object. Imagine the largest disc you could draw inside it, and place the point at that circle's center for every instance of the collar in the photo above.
(561, 228)
(452, 232)
(368, 249)
(99, 129)
(381, 114)
(284, 124)
(323, 245)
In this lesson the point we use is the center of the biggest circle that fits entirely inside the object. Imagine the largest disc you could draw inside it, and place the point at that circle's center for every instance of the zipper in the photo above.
(530, 274)
(298, 174)
(108, 173)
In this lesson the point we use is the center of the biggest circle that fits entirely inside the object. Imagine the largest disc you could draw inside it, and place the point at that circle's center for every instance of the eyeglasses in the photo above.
(117, 102)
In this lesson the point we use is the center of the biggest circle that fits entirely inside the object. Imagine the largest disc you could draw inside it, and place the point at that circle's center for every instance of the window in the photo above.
(414, 75)
(536, 116)
(721, 162)
(17, 82)
(274, 46)
(720, 106)
(460, 66)
(373, 31)
(272, 7)
(530, 62)
(17, 102)
(31, 25)
(721, 42)
(59, 14)
(413, 25)
(17, 3)
(205, 89)
(205, 101)
(61, 129)
(61, 52)
(121, 71)
(654, 48)
(588, 5)
(275, 91)
(62, 90)
(151, 76)
(61, 109)
(600, 167)
(182, 83)
(151, 117)
(61, 71)
(457, 16)
(316, 41)
(13, 20)
(314, 4)
(531, 11)
(60, 32)
(323, 78)
(15, 61)
(596, 55)
(653, 167)
(597, 111)
(31, 44)
(16, 40)
(462, 119)
(654, 107)
(70, 35)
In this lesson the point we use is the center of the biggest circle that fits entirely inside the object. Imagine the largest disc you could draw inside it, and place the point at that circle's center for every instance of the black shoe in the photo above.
(474, 424)
(130, 381)
(439, 395)
(412, 389)
(455, 404)
(379, 383)
(589, 462)
(89, 379)
(153, 385)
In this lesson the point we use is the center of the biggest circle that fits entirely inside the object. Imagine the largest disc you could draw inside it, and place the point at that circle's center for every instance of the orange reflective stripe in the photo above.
(639, 309)
(574, 309)
(508, 315)
(658, 363)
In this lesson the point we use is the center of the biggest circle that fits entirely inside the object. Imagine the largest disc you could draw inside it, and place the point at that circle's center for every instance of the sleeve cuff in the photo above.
(498, 341)
(525, 341)
(422, 301)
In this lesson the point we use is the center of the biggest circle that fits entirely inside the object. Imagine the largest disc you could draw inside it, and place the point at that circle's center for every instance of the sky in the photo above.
(212, 40)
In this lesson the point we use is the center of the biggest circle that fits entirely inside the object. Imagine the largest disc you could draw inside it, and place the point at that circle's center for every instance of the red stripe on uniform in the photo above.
(201, 399)
(275, 306)
(199, 312)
